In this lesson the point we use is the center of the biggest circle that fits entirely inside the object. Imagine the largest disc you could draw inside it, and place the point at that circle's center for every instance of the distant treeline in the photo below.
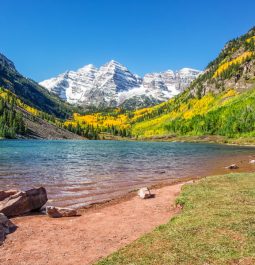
(93, 132)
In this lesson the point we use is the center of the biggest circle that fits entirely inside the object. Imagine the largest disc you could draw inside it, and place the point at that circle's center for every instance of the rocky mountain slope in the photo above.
(114, 85)
(29, 91)
(233, 68)
(38, 128)
(28, 110)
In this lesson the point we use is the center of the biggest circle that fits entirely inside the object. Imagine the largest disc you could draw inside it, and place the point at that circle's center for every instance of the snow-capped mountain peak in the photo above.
(189, 71)
(113, 85)
(114, 63)
(87, 68)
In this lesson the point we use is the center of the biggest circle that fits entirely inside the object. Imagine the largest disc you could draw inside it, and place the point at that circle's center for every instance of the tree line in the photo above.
(11, 122)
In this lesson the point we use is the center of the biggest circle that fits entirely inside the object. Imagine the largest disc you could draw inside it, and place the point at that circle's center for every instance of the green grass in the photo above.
(216, 226)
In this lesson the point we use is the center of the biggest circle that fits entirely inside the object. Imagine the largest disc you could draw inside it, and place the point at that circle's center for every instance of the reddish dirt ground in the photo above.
(40, 240)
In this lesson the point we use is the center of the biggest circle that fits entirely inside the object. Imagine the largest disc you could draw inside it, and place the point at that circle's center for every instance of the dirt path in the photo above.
(40, 240)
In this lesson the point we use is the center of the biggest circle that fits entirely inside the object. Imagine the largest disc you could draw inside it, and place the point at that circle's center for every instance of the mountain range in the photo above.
(218, 102)
(113, 85)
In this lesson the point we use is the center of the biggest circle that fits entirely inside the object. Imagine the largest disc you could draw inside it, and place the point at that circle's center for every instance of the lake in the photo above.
(78, 173)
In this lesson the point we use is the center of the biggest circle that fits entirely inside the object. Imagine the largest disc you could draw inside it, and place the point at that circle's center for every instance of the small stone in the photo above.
(57, 212)
(233, 166)
(144, 193)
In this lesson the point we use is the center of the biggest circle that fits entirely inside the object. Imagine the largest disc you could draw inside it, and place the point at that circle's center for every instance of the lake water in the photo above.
(77, 173)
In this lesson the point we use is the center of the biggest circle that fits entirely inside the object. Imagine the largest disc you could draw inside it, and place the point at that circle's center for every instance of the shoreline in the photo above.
(207, 139)
(242, 162)
(215, 213)
(99, 230)
(132, 194)
(157, 186)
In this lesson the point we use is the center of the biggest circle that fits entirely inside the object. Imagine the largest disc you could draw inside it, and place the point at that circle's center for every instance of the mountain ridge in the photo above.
(113, 85)
(29, 91)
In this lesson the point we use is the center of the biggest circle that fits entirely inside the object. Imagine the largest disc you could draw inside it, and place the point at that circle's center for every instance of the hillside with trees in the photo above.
(219, 102)
(30, 92)
(19, 120)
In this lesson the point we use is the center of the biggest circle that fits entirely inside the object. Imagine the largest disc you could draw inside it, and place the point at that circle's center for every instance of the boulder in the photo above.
(23, 202)
(57, 212)
(6, 227)
(233, 166)
(7, 193)
(252, 161)
(6, 223)
(144, 193)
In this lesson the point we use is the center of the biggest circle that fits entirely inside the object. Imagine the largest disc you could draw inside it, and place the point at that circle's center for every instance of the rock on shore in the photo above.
(57, 212)
(22, 202)
(144, 193)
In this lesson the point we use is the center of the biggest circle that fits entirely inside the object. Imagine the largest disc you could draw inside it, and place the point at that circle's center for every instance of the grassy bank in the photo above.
(216, 226)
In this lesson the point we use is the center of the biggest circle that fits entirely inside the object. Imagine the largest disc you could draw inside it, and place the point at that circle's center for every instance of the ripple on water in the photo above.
(78, 173)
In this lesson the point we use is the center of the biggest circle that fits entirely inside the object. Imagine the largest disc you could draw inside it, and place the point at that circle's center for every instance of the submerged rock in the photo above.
(57, 212)
(6, 227)
(233, 166)
(23, 202)
(144, 193)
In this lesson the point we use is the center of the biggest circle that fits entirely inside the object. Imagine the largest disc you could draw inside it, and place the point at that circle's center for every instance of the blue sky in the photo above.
(45, 38)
